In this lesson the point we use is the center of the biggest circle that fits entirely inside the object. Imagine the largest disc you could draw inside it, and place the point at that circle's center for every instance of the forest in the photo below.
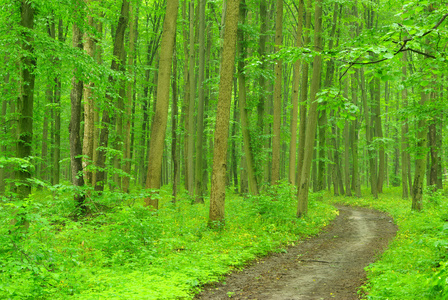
(150, 147)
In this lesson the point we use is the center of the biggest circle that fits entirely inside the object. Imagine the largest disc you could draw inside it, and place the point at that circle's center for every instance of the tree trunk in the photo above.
(303, 96)
(420, 160)
(310, 134)
(248, 157)
(295, 100)
(104, 135)
(218, 188)
(354, 143)
(370, 152)
(174, 137)
(275, 173)
(158, 126)
(190, 143)
(405, 163)
(133, 32)
(379, 135)
(26, 100)
(75, 130)
(199, 197)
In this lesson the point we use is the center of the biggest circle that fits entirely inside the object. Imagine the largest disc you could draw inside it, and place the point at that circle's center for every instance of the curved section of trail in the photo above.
(329, 266)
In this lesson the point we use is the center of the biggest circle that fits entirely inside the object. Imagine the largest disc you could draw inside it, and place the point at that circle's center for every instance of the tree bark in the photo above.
(133, 32)
(26, 101)
(199, 190)
(158, 127)
(420, 160)
(218, 188)
(248, 157)
(303, 95)
(75, 130)
(302, 208)
(295, 99)
(275, 173)
(192, 93)
(405, 162)
(89, 104)
(106, 118)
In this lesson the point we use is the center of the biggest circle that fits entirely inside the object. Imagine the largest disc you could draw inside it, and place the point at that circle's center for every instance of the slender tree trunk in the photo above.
(275, 173)
(26, 100)
(346, 135)
(310, 133)
(200, 118)
(405, 163)
(248, 157)
(3, 147)
(158, 126)
(75, 129)
(420, 160)
(190, 143)
(174, 137)
(371, 155)
(295, 99)
(264, 21)
(303, 96)
(106, 118)
(133, 32)
(379, 135)
(218, 188)
(354, 142)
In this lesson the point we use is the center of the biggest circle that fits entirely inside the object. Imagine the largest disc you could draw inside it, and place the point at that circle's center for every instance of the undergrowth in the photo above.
(415, 265)
(122, 250)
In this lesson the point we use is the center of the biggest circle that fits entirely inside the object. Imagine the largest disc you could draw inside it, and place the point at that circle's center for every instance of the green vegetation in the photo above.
(125, 251)
(415, 266)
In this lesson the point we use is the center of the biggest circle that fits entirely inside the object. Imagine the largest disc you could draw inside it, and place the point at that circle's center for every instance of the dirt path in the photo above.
(330, 266)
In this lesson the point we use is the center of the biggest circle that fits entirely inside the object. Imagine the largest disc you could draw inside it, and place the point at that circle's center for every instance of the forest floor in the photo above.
(329, 266)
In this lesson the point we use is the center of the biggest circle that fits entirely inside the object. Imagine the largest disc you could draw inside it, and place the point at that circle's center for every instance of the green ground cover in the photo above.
(124, 251)
(415, 266)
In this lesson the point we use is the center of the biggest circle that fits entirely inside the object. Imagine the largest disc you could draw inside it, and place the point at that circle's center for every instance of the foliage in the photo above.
(415, 264)
(125, 251)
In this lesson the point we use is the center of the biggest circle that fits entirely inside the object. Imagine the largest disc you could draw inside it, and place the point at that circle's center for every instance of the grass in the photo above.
(125, 251)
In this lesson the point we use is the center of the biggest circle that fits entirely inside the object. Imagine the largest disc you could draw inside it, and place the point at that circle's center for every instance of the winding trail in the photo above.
(329, 266)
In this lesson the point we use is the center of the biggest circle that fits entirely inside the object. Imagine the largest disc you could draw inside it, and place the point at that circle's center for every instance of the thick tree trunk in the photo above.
(218, 188)
(75, 130)
(302, 208)
(158, 127)
(26, 101)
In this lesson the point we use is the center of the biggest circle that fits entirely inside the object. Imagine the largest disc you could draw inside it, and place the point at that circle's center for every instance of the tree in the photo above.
(249, 161)
(75, 126)
(26, 100)
(218, 187)
(158, 126)
(310, 133)
(275, 174)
